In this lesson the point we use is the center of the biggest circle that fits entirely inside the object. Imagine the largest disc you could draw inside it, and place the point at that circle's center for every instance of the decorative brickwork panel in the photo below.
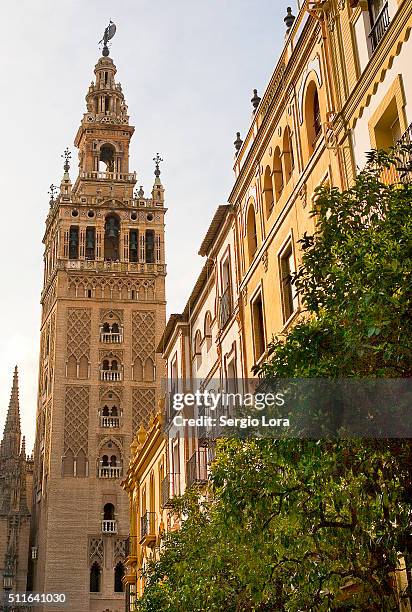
(76, 419)
(143, 334)
(119, 550)
(102, 287)
(96, 550)
(115, 314)
(110, 393)
(144, 401)
(78, 332)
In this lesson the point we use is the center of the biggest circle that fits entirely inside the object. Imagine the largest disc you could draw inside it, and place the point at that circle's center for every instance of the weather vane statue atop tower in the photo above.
(109, 32)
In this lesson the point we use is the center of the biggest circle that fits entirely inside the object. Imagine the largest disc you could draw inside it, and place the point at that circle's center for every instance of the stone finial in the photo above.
(289, 19)
(255, 100)
(238, 142)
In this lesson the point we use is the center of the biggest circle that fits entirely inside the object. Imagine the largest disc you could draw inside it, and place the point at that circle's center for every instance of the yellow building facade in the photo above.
(144, 483)
(341, 87)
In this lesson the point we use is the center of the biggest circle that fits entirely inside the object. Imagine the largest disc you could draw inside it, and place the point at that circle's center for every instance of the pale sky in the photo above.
(188, 69)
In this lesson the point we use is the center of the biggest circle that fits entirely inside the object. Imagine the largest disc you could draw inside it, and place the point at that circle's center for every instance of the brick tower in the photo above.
(103, 313)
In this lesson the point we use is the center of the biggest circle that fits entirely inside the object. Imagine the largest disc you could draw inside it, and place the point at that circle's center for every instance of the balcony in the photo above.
(128, 177)
(110, 375)
(170, 488)
(381, 24)
(110, 421)
(405, 156)
(148, 528)
(111, 338)
(225, 307)
(401, 172)
(107, 471)
(196, 468)
(109, 527)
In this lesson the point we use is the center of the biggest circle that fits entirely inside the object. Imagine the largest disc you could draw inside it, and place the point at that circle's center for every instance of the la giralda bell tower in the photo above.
(103, 314)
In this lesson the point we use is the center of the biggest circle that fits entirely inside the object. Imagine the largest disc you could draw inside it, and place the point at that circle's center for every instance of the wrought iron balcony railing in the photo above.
(380, 26)
(170, 488)
(148, 526)
(196, 468)
(405, 156)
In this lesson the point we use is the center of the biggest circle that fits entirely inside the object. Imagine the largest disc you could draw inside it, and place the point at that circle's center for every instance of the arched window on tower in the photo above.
(110, 463)
(107, 105)
(134, 246)
(106, 158)
(118, 578)
(108, 512)
(111, 330)
(111, 369)
(74, 242)
(111, 238)
(95, 578)
(150, 246)
(90, 243)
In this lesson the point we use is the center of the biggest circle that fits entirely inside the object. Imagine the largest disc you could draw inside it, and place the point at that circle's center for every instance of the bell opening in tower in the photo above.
(111, 238)
(106, 159)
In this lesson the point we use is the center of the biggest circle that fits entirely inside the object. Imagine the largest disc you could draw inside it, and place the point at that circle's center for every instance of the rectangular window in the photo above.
(225, 307)
(258, 327)
(288, 291)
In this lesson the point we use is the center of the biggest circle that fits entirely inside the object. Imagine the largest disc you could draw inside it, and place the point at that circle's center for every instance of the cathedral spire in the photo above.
(10, 445)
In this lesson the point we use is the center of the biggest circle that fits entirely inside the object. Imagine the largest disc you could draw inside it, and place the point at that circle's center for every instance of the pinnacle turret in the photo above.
(10, 445)
(158, 190)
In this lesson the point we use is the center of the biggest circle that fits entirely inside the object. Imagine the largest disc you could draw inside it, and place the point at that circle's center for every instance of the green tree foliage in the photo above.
(299, 525)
